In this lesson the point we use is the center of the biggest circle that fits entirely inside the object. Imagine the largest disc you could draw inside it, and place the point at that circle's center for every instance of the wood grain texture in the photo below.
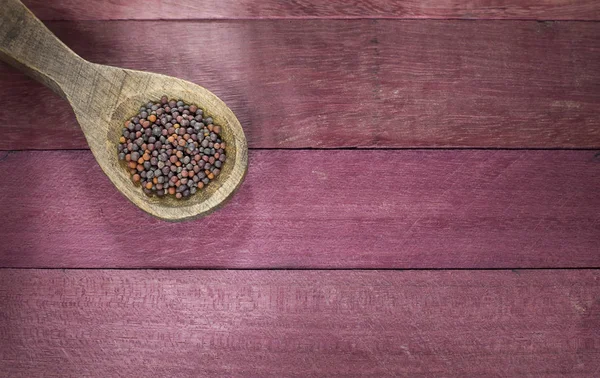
(228, 9)
(104, 97)
(318, 209)
(299, 323)
(357, 83)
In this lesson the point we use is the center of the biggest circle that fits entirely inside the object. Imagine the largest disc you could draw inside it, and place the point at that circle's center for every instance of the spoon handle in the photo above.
(28, 45)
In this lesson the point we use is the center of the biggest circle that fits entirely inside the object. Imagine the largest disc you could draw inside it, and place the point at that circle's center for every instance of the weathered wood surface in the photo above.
(78, 323)
(359, 83)
(104, 97)
(318, 209)
(232, 9)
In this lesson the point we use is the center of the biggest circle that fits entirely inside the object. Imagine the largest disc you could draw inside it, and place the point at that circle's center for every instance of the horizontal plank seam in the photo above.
(225, 19)
(515, 270)
(353, 149)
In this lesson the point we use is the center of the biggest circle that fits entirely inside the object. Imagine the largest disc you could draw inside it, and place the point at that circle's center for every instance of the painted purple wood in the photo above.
(318, 209)
(228, 9)
(358, 83)
(103, 323)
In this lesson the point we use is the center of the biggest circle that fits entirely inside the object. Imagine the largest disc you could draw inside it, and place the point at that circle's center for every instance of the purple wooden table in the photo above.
(423, 197)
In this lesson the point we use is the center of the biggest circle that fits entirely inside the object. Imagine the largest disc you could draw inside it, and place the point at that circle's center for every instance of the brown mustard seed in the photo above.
(171, 148)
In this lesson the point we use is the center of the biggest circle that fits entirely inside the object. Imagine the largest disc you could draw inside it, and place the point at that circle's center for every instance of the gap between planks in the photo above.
(502, 269)
(321, 9)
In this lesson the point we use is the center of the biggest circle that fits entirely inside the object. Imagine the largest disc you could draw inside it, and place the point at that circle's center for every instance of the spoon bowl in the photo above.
(104, 98)
(137, 89)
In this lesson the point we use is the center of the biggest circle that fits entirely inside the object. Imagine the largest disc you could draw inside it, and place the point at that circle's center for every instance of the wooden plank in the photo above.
(234, 9)
(299, 323)
(318, 209)
(359, 83)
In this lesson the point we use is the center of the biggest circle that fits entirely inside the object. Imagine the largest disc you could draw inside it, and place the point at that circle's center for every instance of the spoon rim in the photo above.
(216, 193)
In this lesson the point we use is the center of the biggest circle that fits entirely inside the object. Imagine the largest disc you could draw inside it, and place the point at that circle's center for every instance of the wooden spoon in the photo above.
(104, 97)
